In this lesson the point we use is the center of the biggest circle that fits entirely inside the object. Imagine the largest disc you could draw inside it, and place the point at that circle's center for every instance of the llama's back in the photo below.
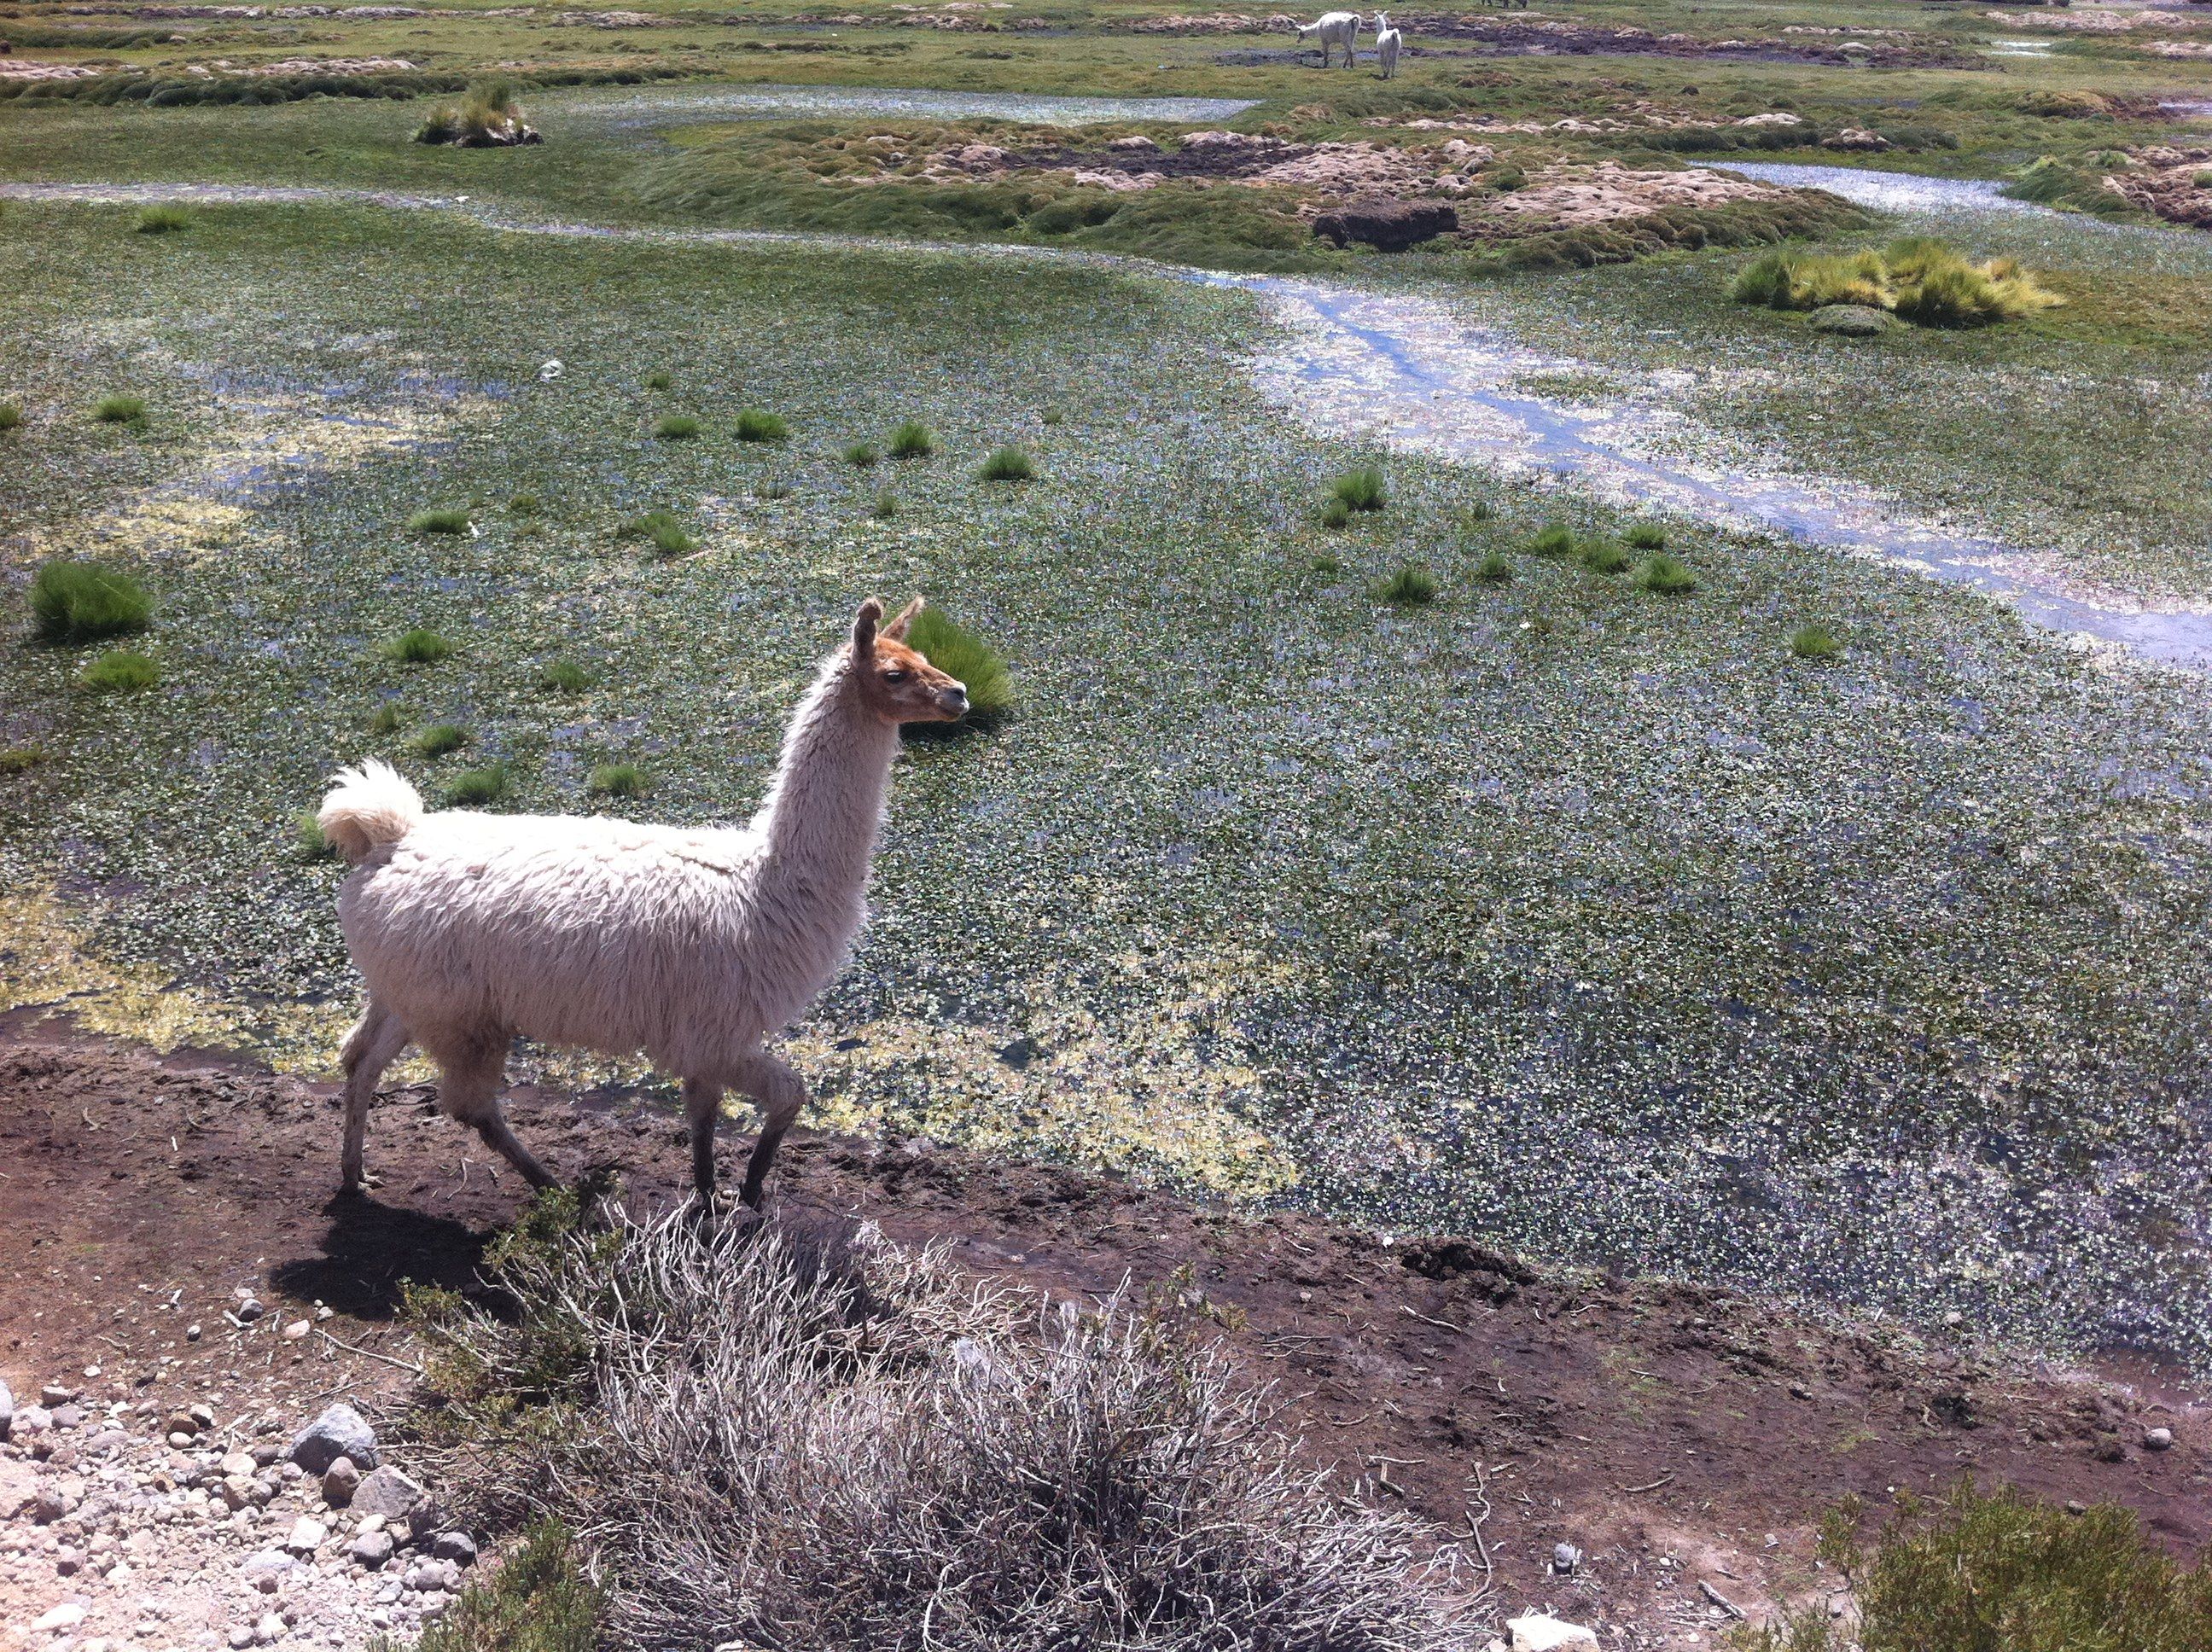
(607, 934)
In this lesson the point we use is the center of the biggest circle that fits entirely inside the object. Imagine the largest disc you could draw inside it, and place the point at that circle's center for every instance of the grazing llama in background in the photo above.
(693, 947)
(1335, 29)
(1388, 42)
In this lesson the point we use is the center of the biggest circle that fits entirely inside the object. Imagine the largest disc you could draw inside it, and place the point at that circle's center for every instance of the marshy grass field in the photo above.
(1431, 840)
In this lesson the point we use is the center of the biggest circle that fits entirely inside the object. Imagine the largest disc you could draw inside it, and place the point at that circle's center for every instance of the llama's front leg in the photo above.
(376, 1039)
(779, 1092)
(702, 1111)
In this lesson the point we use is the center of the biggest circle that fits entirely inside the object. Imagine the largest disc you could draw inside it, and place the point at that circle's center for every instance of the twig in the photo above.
(1654, 1486)
(1719, 1599)
(1456, 1330)
(371, 1354)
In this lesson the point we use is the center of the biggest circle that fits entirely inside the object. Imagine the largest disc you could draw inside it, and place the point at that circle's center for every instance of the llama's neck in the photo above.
(819, 821)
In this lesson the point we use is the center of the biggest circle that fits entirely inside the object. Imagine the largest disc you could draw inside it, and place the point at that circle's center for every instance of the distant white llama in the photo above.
(1333, 28)
(693, 947)
(1388, 44)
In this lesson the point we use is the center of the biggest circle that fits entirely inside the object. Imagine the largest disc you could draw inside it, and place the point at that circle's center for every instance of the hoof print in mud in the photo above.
(1387, 226)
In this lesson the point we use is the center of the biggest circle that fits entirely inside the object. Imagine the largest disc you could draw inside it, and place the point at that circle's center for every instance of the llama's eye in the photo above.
(895, 676)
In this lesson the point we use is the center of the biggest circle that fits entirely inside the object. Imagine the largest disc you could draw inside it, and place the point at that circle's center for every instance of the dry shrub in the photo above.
(785, 1440)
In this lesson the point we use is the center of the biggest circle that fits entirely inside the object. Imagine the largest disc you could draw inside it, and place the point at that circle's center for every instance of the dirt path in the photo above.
(1676, 1436)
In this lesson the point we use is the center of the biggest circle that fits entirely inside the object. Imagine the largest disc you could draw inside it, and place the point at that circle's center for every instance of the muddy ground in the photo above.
(1685, 1438)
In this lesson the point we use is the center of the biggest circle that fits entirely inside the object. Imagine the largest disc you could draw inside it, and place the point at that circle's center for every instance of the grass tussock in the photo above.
(959, 652)
(120, 670)
(1999, 1573)
(912, 440)
(563, 676)
(777, 1439)
(1335, 514)
(20, 760)
(886, 507)
(1665, 575)
(479, 788)
(523, 505)
(162, 220)
(308, 840)
(669, 536)
(11, 416)
(1646, 536)
(120, 408)
(536, 1600)
(439, 740)
(619, 780)
(861, 456)
(443, 521)
(1606, 556)
(1495, 568)
(1554, 539)
(1009, 465)
(1814, 642)
(1411, 587)
(486, 117)
(754, 425)
(675, 426)
(1363, 490)
(82, 602)
(659, 379)
(1920, 279)
(420, 646)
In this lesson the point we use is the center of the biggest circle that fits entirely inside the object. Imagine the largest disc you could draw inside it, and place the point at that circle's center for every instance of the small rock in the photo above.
(50, 1504)
(429, 1575)
(239, 1638)
(181, 1441)
(1565, 1558)
(54, 1394)
(387, 1493)
(457, 1547)
(201, 1412)
(248, 1311)
(267, 1569)
(373, 1549)
(340, 1431)
(239, 1463)
(2158, 1439)
(306, 1535)
(373, 1523)
(32, 1419)
(181, 1422)
(340, 1481)
(192, 1333)
(68, 1615)
(270, 1630)
(1541, 1632)
(296, 1329)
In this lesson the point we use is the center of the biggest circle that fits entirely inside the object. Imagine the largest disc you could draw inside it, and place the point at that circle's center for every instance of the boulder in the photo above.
(1388, 226)
(1541, 1632)
(340, 1431)
(1851, 320)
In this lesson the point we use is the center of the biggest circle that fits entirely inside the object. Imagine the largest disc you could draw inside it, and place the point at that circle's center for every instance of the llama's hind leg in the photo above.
(702, 1111)
(779, 1092)
(470, 1080)
(376, 1039)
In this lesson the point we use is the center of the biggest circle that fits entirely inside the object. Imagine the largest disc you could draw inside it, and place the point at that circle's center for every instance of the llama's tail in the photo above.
(368, 806)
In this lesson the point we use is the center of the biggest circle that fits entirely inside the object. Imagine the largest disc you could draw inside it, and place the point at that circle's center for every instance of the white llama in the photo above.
(1388, 44)
(693, 947)
(1334, 28)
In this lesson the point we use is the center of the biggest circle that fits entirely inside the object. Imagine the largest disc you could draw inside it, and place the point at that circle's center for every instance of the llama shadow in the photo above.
(372, 1249)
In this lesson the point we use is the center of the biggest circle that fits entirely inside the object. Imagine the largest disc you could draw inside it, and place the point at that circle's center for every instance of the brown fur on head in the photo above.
(895, 682)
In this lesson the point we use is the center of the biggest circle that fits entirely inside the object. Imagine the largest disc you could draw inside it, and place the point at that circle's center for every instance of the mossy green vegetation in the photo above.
(488, 115)
(668, 535)
(754, 425)
(1008, 464)
(676, 426)
(162, 220)
(1603, 555)
(1363, 490)
(419, 645)
(536, 1598)
(479, 788)
(617, 780)
(1814, 642)
(120, 670)
(121, 407)
(1496, 568)
(659, 379)
(1665, 575)
(1554, 539)
(563, 676)
(1409, 587)
(1645, 536)
(11, 417)
(439, 739)
(862, 455)
(74, 602)
(1920, 279)
(912, 440)
(442, 519)
(1996, 1572)
(309, 842)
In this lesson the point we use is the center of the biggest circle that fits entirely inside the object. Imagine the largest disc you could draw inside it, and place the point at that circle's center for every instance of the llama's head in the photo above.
(896, 683)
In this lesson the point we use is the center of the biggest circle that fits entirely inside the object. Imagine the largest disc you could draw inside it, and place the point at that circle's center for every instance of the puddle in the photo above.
(661, 108)
(1409, 372)
(1887, 191)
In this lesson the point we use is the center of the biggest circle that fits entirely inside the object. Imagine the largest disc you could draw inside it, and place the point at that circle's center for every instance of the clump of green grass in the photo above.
(1604, 557)
(1975, 1573)
(440, 740)
(1009, 465)
(1494, 569)
(1665, 575)
(445, 519)
(659, 379)
(1814, 642)
(20, 760)
(959, 652)
(1482, 510)
(162, 220)
(775, 487)
(1335, 514)
(120, 408)
(912, 440)
(420, 646)
(1411, 587)
(11, 416)
(83, 601)
(120, 670)
(563, 676)
(619, 780)
(1052, 416)
(1554, 539)
(1647, 536)
(387, 719)
(886, 506)
(309, 840)
(1362, 490)
(474, 788)
(862, 455)
(676, 426)
(1921, 279)
(667, 534)
(753, 425)
(522, 505)
(1328, 565)
(487, 116)
(536, 1600)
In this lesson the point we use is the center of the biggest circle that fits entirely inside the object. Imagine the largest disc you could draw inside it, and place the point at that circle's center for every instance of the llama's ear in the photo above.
(864, 628)
(897, 629)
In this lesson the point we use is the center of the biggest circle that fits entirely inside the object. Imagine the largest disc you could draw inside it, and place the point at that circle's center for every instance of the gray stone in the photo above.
(54, 1394)
(373, 1549)
(1851, 320)
(68, 1417)
(457, 1547)
(270, 1630)
(340, 1431)
(32, 1419)
(2158, 1439)
(268, 1569)
(340, 1481)
(1566, 1557)
(306, 1535)
(387, 1493)
(426, 1576)
(7, 1408)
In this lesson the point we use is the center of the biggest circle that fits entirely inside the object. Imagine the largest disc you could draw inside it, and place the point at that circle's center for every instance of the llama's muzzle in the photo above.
(954, 700)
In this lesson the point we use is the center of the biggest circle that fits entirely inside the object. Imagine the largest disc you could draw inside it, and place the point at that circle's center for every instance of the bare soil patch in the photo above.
(1678, 1434)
